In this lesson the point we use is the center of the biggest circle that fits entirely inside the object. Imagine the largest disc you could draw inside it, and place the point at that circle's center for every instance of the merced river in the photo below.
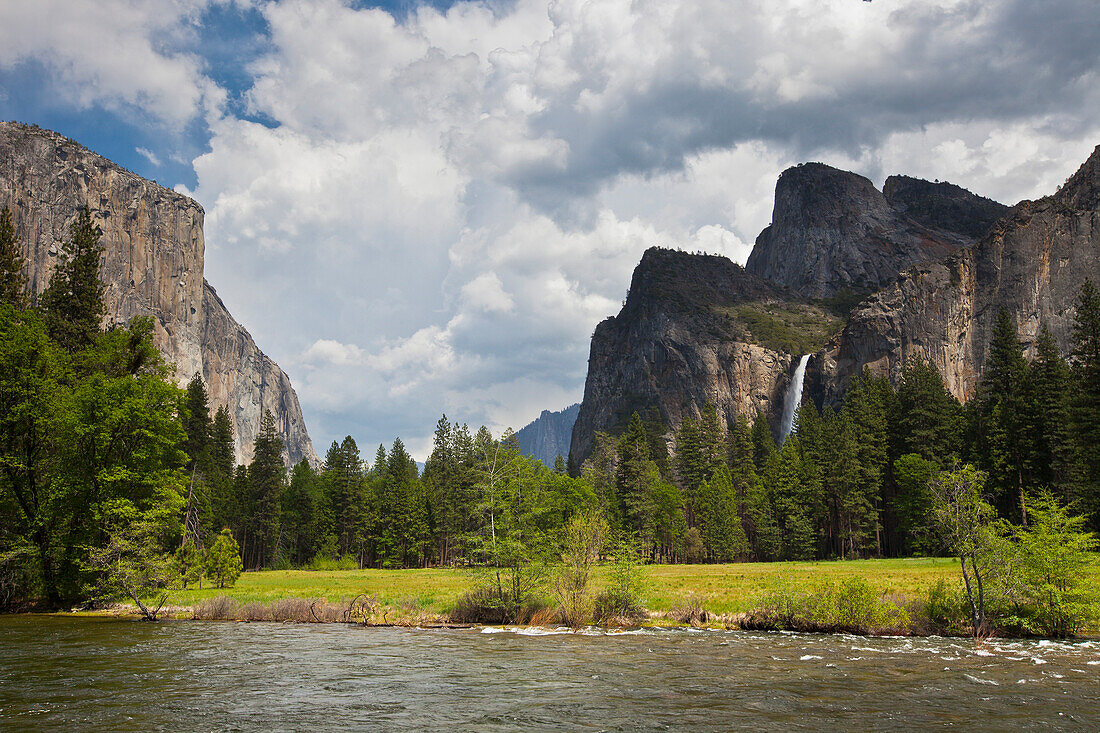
(64, 673)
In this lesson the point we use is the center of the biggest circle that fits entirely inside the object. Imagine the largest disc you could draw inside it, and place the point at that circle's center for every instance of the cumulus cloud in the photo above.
(116, 54)
(432, 213)
(463, 194)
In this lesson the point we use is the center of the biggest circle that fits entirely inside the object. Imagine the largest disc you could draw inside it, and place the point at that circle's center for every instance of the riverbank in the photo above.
(860, 596)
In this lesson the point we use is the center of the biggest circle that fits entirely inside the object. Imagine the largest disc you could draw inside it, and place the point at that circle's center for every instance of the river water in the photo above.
(60, 673)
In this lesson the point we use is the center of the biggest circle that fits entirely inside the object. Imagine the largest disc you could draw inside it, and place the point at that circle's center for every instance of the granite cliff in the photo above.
(548, 436)
(152, 266)
(1032, 263)
(833, 230)
(942, 262)
(694, 329)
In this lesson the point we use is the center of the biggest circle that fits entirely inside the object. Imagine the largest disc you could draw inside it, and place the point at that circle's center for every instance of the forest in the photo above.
(113, 479)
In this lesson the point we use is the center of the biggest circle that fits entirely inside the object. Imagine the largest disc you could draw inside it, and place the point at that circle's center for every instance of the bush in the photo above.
(621, 603)
(689, 611)
(484, 605)
(852, 607)
(330, 562)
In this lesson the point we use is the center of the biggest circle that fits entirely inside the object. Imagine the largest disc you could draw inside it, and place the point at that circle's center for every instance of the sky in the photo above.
(420, 208)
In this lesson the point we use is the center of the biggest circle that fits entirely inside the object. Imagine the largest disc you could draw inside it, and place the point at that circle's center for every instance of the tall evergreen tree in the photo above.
(762, 440)
(266, 481)
(635, 475)
(1047, 426)
(1084, 406)
(1001, 417)
(13, 280)
(926, 418)
(196, 421)
(73, 300)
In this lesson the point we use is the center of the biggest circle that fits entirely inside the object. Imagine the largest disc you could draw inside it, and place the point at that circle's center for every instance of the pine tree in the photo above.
(690, 464)
(1047, 427)
(13, 280)
(742, 474)
(219, 468)
(343, 481)
(762, 440)
(73, 301)
(866, 406)
(299, 522)
(223, 560)
(1084, 407)
(1001, 412)
(926, 419)
(196, 421)
(719, 523)
(266, 480)
(635, 475)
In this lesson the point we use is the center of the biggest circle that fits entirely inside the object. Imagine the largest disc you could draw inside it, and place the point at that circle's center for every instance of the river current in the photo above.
(61, 673)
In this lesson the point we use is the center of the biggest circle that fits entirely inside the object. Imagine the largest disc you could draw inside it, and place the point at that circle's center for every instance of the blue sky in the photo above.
(425, 207)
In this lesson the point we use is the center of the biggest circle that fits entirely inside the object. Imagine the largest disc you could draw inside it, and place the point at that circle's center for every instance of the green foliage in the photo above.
(851, 605)
(73, 301)
(1054, 555)
(222, 563)
(1084, 406)
(132, 562)
(583, 541)
(622, 598)
(790, 328)
(13, 280)
(187, 563)
(1001, 419)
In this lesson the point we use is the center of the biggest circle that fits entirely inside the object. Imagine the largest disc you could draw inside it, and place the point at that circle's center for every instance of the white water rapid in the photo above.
(793, 399)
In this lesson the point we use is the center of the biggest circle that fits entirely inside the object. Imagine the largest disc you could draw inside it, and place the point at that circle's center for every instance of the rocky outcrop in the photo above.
(548, 436)
(1032, 263)
(943, 206)
(677, 344)
(152, 265)
(252, 383)
(833, 230)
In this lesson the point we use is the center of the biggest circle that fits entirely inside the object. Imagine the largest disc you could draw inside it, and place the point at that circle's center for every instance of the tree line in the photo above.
(101, 454)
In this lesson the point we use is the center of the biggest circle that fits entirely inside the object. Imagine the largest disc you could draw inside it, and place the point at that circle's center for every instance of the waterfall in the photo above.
(793, 399)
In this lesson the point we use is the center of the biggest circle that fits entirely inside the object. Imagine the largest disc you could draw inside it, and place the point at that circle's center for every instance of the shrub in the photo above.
(689, 611)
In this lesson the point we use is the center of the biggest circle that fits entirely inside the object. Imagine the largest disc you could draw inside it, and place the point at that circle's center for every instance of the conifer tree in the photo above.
(1047, 426)
(73, 300)
(719, 523)
(926, 419)
(762, 441)
(196, 421)
(266, 480)
(1084, 408)
(635, 475)
(13, 280)
(1001, 415)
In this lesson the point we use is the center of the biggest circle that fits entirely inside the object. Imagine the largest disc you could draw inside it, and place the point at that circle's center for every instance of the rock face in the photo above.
(1031, 263)
(833, 230)
(943, 206)
(674, 347)
(548, 436)
(152, 265)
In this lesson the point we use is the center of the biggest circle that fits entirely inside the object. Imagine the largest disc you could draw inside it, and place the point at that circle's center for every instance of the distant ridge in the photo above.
(548, 436)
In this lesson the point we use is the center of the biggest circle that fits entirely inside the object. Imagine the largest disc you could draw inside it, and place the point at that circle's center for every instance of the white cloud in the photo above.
(114, 53)
(149, 155)
(435, 213)
(463, 195)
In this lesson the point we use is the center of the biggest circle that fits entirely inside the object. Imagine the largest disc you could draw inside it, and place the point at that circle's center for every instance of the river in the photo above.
(63, 673)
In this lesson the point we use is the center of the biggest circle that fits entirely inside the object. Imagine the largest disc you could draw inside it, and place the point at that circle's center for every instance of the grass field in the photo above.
(719, 588)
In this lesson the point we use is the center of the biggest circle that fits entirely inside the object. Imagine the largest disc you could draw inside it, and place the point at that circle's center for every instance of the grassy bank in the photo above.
(725, 592)
(722, 589)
